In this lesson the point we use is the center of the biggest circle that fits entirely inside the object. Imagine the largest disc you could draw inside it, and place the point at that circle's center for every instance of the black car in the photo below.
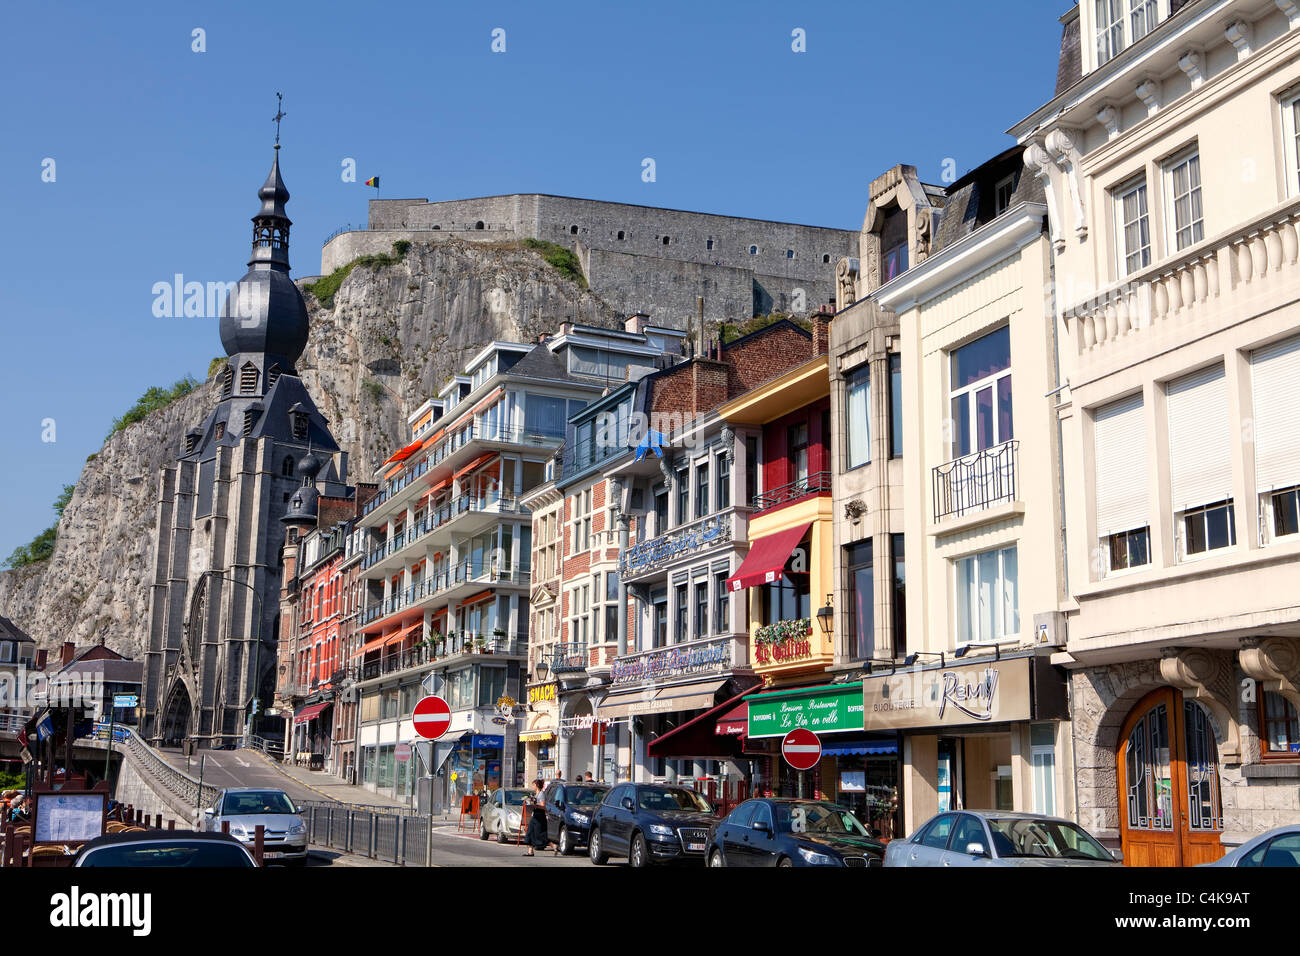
(569, 809)
(650, 823)
(165, 848)
(773, 832)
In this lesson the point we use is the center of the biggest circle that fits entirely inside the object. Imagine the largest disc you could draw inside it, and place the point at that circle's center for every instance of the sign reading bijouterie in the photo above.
(676, 544)
(699, 657)
(983, 693)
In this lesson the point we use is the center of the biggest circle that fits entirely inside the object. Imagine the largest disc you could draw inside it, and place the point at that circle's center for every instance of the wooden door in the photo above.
(1170, 811)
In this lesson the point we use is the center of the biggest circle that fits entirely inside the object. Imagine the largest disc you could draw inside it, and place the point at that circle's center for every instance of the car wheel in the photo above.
(565, 842)
(593, 849)
(482, 833)
(715, 858)
(502, 836)
(638, 856)
(785, 861)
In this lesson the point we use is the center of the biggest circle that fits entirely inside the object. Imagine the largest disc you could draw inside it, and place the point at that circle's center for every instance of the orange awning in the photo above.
(403, 453)
(369, 646)
(438, 487)
(402, 634)
(474, 599)
(480, 460)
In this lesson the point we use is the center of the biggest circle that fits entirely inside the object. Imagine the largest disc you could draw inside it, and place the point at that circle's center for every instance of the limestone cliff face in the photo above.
(391, 340)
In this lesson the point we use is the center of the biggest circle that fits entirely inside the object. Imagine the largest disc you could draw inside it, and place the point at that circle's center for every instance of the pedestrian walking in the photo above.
(535, 837)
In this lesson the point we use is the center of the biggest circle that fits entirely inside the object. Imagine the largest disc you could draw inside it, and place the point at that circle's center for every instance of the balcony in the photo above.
(569, 659)
(456, 448)
(445, 587)
(818, 483)
(975, 482)
(445, 650)
(486, 508)
(1193, 291)
(688, 540)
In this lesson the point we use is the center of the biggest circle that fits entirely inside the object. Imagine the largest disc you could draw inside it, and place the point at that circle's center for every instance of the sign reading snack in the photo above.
(989, 692)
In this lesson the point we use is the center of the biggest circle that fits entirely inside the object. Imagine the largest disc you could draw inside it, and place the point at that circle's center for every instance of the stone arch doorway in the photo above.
(176, 716)
(580, 752)
(1171, 810)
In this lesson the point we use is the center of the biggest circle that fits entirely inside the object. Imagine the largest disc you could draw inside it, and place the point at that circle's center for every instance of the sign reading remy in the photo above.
(984, 693)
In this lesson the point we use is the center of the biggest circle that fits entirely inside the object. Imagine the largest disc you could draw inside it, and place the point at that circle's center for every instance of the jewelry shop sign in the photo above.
(989, 692)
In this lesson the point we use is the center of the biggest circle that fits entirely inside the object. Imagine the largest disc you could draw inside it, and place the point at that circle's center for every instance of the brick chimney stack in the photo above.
(42, 655)
(821, 330)
(66, 654)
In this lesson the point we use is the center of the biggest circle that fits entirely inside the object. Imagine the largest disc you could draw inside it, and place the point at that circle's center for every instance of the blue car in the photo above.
(650, 823)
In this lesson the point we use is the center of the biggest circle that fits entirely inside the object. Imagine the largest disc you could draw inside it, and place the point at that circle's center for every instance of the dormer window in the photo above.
(250, 419)
(248, 376)
(299, 425)
(191, 442)
(1002, 193)
(221, 430)
(273, 375)
(893, 245)
(1121, 23)
(227, 382)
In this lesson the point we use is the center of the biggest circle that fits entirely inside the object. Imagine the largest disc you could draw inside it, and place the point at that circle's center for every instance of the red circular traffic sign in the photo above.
(431, 717)
(801, 749)
(402, 753)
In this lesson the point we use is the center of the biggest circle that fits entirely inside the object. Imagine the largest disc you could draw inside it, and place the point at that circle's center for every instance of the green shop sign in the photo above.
(823, 710)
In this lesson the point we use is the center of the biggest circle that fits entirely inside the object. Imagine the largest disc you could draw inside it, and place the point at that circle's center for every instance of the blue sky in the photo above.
(158, 150)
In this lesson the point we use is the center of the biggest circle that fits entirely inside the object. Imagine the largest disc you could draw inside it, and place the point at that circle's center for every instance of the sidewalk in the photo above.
(333, 788)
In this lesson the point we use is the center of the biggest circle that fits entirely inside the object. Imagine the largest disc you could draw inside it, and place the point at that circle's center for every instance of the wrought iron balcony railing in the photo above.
(569, 658)
(975, 482)
(815, 484)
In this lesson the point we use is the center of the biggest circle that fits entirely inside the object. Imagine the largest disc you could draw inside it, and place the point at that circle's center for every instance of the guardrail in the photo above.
(392, 834)
(975, 482)
(147, 760)
(815, 484)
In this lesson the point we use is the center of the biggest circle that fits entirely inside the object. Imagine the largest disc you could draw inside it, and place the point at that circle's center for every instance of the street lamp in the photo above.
(966, 648)
(912, 658)
(826, 615)
(257, 647)
(542, 668)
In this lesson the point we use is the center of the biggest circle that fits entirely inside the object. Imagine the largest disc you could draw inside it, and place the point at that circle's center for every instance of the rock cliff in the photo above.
(392, 338)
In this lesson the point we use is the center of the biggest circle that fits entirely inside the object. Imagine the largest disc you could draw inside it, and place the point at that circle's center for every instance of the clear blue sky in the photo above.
(159, 150)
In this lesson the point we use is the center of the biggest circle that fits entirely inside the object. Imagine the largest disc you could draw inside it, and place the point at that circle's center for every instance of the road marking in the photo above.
(242, 763)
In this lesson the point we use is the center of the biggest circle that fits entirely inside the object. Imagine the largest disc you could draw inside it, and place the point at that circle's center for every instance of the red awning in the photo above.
(735, 722)
(310, 712)
(369, 646)
(767, 557)
(697, 738)
(401, 635)
(404, 453)
(481, 459)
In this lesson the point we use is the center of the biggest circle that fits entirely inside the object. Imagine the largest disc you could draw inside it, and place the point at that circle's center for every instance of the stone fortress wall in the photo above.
(637, 258)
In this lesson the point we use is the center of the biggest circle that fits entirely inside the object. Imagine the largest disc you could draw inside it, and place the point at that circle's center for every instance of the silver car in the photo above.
(500, 814)
(998, 838)
(284, 837)
(1279, 847)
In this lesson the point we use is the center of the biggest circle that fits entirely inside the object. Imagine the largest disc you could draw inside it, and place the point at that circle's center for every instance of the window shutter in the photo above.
(1275, 373)
(1200, 439)
(1121, 457)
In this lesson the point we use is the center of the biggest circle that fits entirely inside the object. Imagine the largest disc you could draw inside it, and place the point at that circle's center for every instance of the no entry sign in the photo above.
(431, 717)
(801, 749)
(402, 753)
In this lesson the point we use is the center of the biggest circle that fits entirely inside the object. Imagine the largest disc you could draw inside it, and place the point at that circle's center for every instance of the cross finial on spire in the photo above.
(279, 115)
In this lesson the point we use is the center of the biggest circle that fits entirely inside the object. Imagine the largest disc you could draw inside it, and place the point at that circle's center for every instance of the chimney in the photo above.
(65, 657)
(821, 330)
(42, 655)
(636, 322)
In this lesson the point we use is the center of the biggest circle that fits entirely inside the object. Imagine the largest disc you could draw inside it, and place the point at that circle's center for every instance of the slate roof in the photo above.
(541, 363)
(10, 631)
(970, 199)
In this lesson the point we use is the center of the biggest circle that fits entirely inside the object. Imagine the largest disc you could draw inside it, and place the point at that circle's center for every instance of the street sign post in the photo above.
(801, 749)
(431, 717)
(126, 700)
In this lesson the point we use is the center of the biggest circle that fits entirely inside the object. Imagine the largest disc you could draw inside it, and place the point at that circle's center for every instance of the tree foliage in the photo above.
(151, 401)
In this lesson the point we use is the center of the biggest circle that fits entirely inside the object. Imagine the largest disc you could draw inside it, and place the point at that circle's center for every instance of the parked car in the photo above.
(775, 832)
(500, 814)
(650, 823)
(165, 848)
(569, 809)
(998, 838)
(1278, 847)
(284, 836)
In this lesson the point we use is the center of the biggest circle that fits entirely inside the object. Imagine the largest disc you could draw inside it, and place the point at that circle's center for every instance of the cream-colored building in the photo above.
(1168, 160)
(980, 710)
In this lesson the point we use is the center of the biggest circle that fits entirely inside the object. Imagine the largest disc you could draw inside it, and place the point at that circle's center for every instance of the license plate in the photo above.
(695, 847)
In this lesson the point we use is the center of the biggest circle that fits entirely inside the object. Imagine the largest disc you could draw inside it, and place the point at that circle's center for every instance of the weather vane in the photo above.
(279, 115)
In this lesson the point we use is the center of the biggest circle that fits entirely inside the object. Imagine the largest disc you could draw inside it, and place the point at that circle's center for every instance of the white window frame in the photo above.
(972, 413)
(863, 455)
(1121, 15)
(1267, 518)
(1168, 169)
(1290, 103)
(1004, 630)
(1009, 183)
(1180, 531)
(1122, 253)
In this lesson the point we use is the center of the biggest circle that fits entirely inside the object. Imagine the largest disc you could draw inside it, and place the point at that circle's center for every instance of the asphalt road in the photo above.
(235, 768)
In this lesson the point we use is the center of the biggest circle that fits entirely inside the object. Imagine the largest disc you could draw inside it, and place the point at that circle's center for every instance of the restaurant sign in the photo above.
(985, 693)
(823, 710)
(676, 544)
(697, 657)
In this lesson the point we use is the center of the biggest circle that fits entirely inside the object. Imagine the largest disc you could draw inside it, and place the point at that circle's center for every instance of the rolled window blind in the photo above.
(1121, 457)
(1200, 439)
(1275, 375)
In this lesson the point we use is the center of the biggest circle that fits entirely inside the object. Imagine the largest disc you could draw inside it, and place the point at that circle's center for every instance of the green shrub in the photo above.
(215, 364)
(373, 389)
(42, 546)
(326, 288)
(562, 260)
(151, 401)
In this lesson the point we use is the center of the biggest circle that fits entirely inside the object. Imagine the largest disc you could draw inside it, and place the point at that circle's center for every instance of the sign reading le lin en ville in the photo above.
(989, 692)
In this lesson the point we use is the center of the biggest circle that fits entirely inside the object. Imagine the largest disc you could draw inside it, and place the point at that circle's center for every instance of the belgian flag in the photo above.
(373, 181)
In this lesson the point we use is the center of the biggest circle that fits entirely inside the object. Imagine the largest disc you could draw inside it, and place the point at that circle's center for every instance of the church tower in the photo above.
(214, 613)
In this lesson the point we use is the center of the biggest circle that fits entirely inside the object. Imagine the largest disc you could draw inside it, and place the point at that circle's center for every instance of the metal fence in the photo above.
(390, 834)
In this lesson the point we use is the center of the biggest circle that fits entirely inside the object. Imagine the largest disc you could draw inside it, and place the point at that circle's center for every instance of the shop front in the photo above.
(474, 765)
(538, 736)
(990, 735)
(858, 770)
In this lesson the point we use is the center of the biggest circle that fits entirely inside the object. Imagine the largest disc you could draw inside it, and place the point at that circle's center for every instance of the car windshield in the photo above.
(584, 796)
(816, 818)
(515, 798)
(1021, 837)
(256, 801)
(673, 799)
(197, 853)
